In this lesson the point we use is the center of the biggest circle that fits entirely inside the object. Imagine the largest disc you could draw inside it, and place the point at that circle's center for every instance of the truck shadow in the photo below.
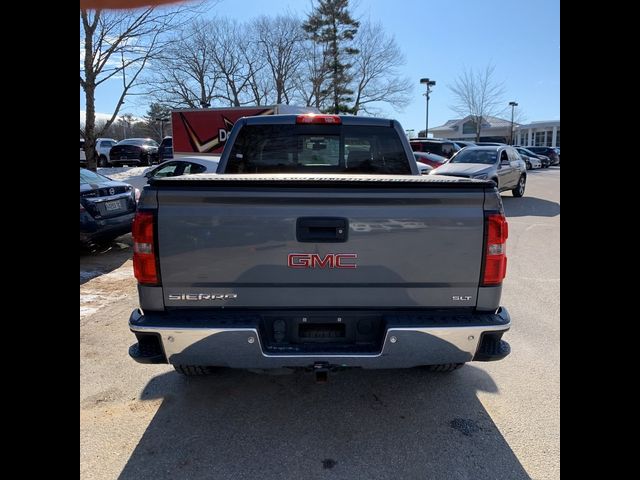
(361, 424)
(529, 206)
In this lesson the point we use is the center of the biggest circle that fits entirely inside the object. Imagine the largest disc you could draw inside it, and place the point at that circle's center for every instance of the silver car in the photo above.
(502, 164)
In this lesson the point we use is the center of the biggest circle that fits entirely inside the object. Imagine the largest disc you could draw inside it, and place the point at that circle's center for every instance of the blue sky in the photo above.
(439, 38)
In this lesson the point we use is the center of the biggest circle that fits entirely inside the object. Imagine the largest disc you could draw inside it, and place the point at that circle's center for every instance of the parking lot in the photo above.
(485, 421)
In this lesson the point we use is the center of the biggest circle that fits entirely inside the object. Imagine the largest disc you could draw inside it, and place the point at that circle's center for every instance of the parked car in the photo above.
(465, 143)
(501, 164)
(549, 152)
(134, 151)
(530, 158)
(183, 166)
(107, 207)
(103, 146)
(430, 158)
(165, 152)
(424, 168)
(489, 144)
(444, 148)
(83, 155)
(546, 161)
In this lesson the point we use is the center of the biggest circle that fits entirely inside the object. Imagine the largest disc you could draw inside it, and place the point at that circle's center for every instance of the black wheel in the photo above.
(528, 166)
(445, 367)
(145, 160)
(102, 161)
(519, 190)
(193, 370)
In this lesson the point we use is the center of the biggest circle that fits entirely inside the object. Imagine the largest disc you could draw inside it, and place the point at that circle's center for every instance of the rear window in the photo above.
(138, 142)
(318, 149)
(87, 176)
(487, 157)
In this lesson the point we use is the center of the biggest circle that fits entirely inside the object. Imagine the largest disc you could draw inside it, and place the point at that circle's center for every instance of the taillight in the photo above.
(495, 258)
(315, 118)
(144, 258)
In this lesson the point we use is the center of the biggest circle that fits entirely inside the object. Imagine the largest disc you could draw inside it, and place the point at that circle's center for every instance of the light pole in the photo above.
(161, 120)
(513, 105)
(429, 84)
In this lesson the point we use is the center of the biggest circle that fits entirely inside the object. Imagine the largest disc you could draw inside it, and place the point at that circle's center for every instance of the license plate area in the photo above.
(317, 333)
(322, 331)
(113, 205)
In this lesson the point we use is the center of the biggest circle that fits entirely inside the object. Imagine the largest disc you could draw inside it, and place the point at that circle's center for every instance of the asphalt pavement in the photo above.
(495, 420)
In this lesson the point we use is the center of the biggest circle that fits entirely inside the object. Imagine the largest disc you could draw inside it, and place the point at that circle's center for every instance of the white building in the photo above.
(493, 129)
(538, 134)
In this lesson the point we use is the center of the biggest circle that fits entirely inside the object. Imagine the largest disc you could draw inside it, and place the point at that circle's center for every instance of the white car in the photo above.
(183, 166)
(424, 168)
(83, 156)
(530, 158)
(103, 145)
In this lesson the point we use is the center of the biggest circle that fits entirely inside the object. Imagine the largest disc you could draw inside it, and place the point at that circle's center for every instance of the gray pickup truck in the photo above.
(318, 245)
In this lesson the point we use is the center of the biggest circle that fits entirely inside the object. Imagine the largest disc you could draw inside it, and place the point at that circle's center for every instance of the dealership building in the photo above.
(538, 134)
(496, 129)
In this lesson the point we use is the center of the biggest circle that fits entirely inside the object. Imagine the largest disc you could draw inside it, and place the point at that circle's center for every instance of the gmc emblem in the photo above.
(313, 260)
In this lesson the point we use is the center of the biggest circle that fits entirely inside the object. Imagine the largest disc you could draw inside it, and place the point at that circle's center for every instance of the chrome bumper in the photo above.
(403, 347)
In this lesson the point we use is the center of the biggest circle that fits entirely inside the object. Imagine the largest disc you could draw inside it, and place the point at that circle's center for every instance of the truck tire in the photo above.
(193, 370)
(519, 190)
(102, 161)
(445, 367)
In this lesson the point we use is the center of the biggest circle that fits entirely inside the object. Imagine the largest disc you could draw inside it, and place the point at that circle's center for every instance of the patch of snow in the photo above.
(86, 311)
(131, 175)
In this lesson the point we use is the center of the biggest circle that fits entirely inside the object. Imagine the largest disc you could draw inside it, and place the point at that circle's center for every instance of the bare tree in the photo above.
(478, 95)
(232, 62)
(310, 82)
(375, 70)
(184, 74)
(280, 42)
(117, 45)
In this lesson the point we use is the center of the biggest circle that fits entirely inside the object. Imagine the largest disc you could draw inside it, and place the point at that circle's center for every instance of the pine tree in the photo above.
(331, 24)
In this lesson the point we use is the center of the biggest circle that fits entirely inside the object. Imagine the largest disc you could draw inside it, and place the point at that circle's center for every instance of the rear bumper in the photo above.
(92, 229)
(236, 340)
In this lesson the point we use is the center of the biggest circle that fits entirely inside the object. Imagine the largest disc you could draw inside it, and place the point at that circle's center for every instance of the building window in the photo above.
(469, 127)
(539, 139)
(549, 138)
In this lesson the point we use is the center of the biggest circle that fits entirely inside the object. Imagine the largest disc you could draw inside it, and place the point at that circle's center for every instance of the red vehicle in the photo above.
(204, 131)
(430, 159)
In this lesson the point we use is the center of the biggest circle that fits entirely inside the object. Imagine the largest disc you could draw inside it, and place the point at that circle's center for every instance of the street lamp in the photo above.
(513, 105)
(429, 84)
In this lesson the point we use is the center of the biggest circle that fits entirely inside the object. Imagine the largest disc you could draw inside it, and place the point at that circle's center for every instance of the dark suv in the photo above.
(165, 152)
(550, 152)
(444, 148)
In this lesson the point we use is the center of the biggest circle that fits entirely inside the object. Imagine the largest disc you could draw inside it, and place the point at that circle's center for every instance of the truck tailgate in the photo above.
(408, 243)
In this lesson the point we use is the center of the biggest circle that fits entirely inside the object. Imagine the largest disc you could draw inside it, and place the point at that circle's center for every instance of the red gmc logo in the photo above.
(313, 260)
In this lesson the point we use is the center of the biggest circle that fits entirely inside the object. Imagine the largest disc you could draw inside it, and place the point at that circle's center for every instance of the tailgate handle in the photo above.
(322, 229)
